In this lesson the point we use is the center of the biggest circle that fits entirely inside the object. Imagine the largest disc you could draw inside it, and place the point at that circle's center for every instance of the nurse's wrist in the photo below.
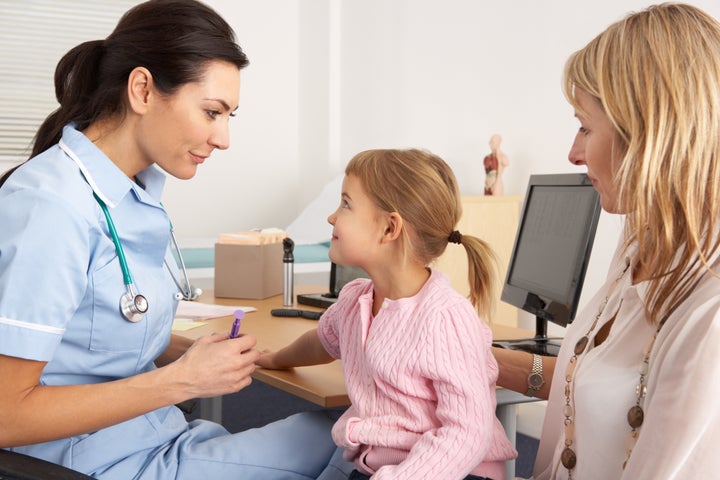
(174, 389)
(177, 347)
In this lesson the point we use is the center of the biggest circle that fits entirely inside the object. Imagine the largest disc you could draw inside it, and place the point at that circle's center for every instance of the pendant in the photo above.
(581, 344)
(568, 458)
(635, 416)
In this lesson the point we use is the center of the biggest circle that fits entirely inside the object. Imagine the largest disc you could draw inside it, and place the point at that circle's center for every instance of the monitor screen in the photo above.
(342, 274)
(552, 247)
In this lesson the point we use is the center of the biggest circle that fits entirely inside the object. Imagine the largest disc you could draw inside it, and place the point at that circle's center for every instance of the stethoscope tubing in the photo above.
(187, 291)
(127, 277)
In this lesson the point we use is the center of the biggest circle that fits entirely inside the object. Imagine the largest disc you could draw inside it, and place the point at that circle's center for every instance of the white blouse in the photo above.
(681, 431)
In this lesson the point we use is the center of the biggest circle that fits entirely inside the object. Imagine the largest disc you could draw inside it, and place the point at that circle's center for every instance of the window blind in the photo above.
(34, 35)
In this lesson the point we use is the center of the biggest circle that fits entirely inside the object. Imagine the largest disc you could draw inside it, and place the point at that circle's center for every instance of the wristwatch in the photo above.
(536, 379)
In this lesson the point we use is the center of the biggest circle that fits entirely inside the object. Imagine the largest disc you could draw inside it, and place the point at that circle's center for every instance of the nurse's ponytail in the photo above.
(76, 90)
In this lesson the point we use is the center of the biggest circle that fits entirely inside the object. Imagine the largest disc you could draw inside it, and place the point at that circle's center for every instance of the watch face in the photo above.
(535, 380)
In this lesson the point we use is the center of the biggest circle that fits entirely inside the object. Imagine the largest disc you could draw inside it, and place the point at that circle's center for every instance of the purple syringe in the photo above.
(235, 329)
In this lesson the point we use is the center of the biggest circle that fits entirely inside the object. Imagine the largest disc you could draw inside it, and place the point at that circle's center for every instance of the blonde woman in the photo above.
(633, 392)
(416, 357)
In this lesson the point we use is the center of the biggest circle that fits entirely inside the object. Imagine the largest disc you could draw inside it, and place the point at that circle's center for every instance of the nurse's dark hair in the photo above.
(173, 39)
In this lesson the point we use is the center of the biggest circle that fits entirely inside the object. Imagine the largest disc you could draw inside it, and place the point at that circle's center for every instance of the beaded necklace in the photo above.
(636, 414)
(568, 458)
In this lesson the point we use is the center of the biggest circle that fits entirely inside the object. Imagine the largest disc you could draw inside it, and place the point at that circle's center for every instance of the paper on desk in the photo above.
(182, 325)
(193, 311)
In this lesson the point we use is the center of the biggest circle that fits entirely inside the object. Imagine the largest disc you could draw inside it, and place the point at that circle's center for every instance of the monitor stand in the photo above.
(540, 343)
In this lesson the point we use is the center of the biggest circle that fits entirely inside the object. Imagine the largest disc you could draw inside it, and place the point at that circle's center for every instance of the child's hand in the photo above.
(305, 350)
(267, 360)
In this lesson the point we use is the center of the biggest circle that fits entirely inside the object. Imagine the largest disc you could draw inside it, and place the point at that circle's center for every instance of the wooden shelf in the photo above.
(494, 219)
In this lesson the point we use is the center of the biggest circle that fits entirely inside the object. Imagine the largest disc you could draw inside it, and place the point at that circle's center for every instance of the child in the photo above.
(416, 358)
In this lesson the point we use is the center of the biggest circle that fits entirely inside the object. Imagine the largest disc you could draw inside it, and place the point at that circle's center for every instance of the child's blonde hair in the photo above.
(422, 189)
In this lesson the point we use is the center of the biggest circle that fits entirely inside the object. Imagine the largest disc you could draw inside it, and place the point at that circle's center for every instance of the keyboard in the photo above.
(540, 347)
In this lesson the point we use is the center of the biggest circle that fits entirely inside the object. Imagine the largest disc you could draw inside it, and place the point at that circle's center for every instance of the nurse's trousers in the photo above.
(299, 447)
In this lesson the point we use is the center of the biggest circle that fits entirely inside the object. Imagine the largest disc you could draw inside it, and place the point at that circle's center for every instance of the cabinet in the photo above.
(494, 219)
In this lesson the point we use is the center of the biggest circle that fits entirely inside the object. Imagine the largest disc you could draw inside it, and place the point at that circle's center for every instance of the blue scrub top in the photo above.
(61, 283)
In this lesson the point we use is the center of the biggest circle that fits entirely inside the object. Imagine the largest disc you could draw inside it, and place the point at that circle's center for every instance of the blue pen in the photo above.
(235, 330)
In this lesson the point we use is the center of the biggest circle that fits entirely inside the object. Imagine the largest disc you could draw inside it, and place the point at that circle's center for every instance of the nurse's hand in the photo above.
(178, 345)
(215, 365)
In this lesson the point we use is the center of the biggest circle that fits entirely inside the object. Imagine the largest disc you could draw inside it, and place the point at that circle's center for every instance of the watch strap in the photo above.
(536, 379)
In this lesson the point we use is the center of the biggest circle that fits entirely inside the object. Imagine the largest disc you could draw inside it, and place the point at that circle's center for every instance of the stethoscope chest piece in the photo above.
(133, 306)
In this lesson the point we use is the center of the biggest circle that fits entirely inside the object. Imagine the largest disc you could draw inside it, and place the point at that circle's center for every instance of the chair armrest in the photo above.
(17, 466)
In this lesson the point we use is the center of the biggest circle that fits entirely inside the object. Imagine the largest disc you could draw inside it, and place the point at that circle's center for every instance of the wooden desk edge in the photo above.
(329, 401)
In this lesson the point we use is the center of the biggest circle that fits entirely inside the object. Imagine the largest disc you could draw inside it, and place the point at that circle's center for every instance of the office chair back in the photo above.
(17, 466)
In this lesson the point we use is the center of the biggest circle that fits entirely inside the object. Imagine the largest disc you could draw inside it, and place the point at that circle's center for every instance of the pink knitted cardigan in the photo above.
(421, 379)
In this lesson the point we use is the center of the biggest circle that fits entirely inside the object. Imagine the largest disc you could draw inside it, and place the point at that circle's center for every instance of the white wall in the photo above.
(256, 182)
(329, 78)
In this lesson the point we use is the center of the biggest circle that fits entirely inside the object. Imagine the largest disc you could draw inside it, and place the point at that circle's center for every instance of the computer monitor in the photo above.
(551, 253)
(339, 276)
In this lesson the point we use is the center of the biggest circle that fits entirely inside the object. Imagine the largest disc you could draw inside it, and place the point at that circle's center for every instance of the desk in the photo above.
(320, 384)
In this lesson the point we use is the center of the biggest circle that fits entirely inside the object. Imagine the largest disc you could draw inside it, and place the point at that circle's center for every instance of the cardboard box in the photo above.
(248, 271)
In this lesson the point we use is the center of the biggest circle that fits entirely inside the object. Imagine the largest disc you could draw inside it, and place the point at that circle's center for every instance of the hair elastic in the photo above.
(455, 237)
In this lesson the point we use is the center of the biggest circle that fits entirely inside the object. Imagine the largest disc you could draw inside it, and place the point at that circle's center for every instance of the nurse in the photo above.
(87, 297)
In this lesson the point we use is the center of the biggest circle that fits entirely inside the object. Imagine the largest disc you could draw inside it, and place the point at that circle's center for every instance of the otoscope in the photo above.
(288, 272)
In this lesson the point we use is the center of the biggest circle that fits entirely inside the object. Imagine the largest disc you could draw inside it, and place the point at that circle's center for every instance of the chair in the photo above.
(17, 466)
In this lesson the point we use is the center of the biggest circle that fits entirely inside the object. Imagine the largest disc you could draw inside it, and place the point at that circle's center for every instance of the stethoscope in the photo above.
(133, 305)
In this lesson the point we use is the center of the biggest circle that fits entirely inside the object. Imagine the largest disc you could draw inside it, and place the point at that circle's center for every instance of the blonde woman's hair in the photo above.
(422, 189)
(656, 74)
